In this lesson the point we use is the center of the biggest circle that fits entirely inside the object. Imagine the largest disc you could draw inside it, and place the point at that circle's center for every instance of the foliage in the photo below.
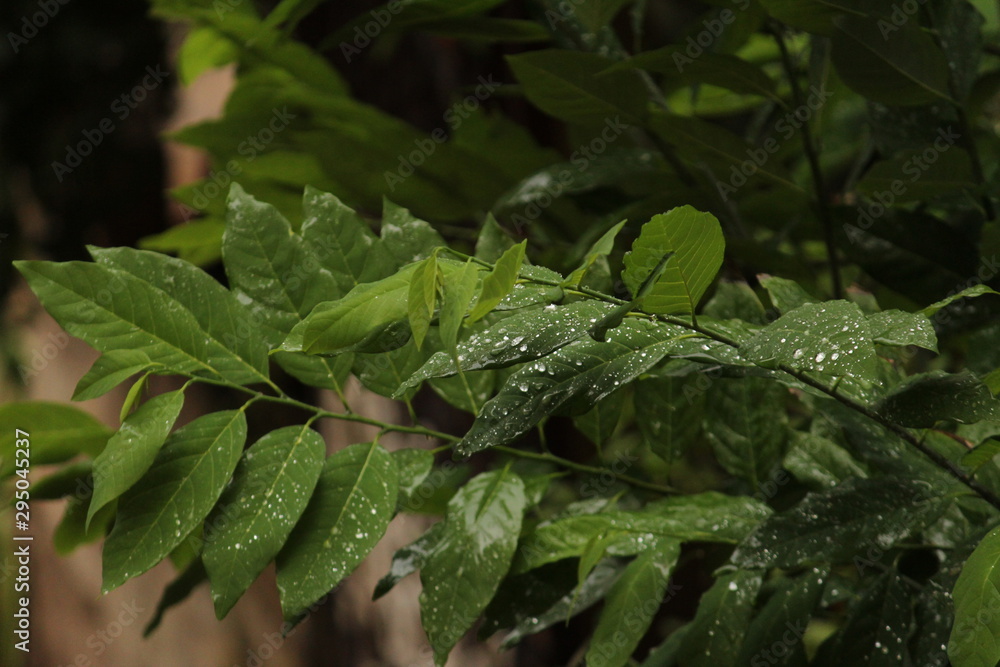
(831, 449)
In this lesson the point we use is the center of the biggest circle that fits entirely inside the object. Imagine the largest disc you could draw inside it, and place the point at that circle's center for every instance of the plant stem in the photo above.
(580, 467)
(812, 155)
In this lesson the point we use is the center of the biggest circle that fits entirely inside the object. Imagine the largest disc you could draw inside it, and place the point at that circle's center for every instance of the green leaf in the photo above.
(951, 173)
(896, 327)
(631, 605)
(721, 622)
(113, 310)
(414, 465)
(198, 241)
(601, 248)
(747, 425)
(573, 378)
(474, 553)
(342, 241)
(135, 392)
(409, 559)
(974, 635)
(110, 370)
(707, 517)
(820, 462)
(565, 84)
(73, 530)
(815, 16)
(216, 309)
(901, 67)
(832, 337)
(714, 69)
(836, 525)
(922, 400)
(669, 414)
(499, 282)
(458, 294)
(422, 298)
(981, 454)
(968, 293)
(786, 295)
(174, 496)
(271, 487)
(57, 431)
(408, 239)
(493, 241)
(600, 422)
(349, 511)
(131, 451)
(522, 337)
(696, 239)
(776, 634)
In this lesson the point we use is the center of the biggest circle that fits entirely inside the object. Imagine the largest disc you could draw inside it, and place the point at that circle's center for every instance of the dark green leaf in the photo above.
(176, 592)
(669, 413)
(715, 635)
(922, 400)
(474, 553)
(786, 295)
(815, 460)
(347, 515)
(271, 486)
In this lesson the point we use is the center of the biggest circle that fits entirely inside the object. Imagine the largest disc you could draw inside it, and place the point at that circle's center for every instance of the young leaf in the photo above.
(831, 337)
(110, 370)
(422, 298)
(174, 496)
(631, 605)
(974, 291)
(131, 451)
(499, 282)
(977, 596)
(575, 377)
(271, 486)
(346, 517)
(836, 525)
(601, 248)
(474, 553)
(696, 239)
(458, 294)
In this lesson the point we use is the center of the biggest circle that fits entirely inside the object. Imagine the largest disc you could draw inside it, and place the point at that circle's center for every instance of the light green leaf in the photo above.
(630, 606)
(476, 545)
(974, 291)
(981, 454)
(973, 641)
(458, 294)
(896, 327)
(522, 337)
(696, 239)
(901, 67)
(834, 526)
(422, 298)
(832, 337)
(57, 432)
(722, 620)
(110, 370)
(572, 379)
(271, 487)
(198, 241)
(349, 511)
(216, 309)
(174, 496)
(746, 422)
(499, 282)
(131, 451)
(922, 400)
(601, 248)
